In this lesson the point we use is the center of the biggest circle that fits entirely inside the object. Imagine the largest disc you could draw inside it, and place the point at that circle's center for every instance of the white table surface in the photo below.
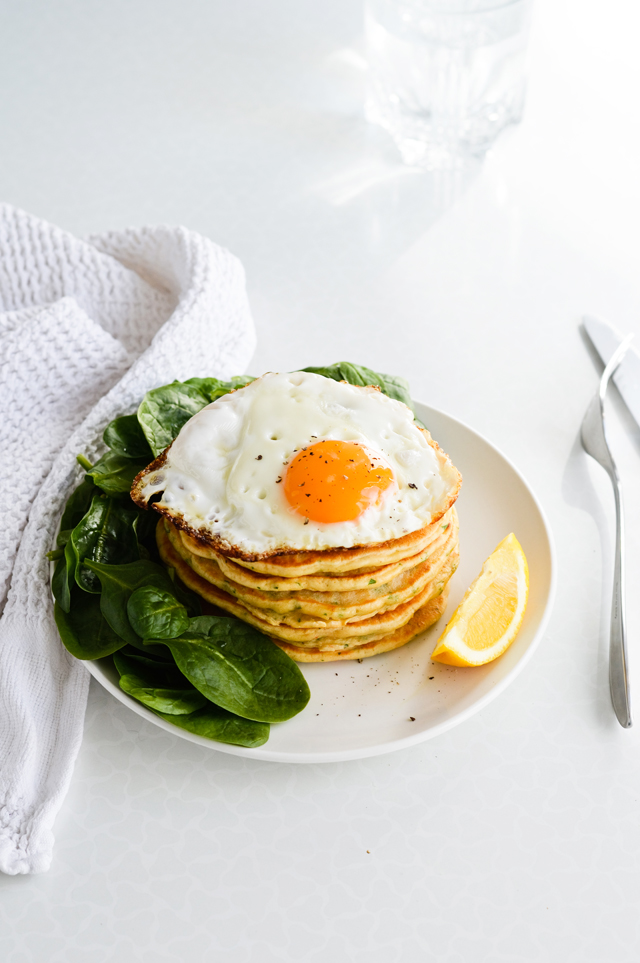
(516, 836)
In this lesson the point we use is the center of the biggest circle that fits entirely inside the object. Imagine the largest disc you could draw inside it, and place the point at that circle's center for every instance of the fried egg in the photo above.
(300, 462)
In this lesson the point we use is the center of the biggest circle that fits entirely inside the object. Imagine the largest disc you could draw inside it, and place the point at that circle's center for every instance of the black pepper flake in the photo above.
(314, 436)
(278, 479)
(308, 495)
(359, 660)
(306, 521)
(258, 457)
(412, 718)
(411, 485)
(431, 677)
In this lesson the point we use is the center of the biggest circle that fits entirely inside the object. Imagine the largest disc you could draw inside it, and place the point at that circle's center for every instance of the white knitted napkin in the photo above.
(86, 328)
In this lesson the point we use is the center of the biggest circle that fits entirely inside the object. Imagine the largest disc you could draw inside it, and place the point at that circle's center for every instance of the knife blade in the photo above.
(605, 339)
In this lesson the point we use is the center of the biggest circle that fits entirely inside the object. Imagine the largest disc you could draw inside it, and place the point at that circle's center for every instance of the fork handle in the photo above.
(618, 670)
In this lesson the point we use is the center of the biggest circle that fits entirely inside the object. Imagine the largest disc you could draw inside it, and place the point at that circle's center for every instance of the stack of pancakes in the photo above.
(336, 604)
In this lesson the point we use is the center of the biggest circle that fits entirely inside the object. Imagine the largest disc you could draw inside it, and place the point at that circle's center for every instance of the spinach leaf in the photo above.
(105, 534)
(155, 671)
(157, 685)
(114, 473)
(392, 385)
(118, 582)
(163, 411)
(240, 669)
(191, 601)
(64, 573)
(62, 581)
(125, 436)
(159, 651)
(76, 508)
(155, 613)
(161, 684)
(213, 388)
(83, 629)
(216, 723)
(145, 525)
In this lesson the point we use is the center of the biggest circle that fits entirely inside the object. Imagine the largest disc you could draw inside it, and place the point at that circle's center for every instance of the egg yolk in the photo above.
(335, 481)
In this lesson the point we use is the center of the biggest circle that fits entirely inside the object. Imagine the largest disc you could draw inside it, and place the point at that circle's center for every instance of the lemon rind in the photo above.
(451, 648)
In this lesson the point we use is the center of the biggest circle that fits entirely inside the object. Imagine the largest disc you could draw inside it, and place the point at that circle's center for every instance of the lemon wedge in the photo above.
(487, 620)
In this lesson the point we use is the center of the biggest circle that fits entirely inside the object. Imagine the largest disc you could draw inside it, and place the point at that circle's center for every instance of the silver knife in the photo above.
(605, 339)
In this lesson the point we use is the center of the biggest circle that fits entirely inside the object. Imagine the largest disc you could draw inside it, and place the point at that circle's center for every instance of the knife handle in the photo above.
(618, 660)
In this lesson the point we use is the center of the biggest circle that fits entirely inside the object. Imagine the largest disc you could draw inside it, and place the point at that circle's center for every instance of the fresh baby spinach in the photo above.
(213, 388)
(125, 436)
(164, 690)
(76, 508)
(105, 534)
(165, 410)
(118, 583)
(157, 685)
(191, 601)
(240, 669)
(145, 525)
(83, 629)
(213, 722)
(155, 613)
(114, 473)
(63, 579)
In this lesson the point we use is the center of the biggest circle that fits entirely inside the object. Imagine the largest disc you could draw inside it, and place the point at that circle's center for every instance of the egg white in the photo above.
(224, 473)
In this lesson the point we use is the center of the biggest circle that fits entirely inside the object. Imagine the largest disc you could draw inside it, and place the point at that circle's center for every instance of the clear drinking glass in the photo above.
(445, 76)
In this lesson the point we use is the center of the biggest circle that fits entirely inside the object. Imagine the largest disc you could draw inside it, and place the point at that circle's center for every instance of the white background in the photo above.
(515, 837)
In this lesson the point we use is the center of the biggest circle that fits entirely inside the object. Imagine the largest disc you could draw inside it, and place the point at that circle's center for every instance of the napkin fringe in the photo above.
(24, 846)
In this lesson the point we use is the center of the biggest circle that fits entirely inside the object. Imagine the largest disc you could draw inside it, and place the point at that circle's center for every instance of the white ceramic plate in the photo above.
(365, 709)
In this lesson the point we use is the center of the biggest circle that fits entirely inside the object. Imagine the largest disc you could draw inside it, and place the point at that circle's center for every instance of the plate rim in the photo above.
(266, 755)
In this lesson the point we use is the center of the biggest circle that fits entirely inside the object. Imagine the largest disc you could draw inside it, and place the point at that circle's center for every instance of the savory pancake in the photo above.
(332, 561)
(343, 606)
(423, 619)
(354, 580)
(366, 630)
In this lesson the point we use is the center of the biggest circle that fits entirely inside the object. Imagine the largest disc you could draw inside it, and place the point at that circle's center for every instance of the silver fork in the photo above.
(594, 442)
